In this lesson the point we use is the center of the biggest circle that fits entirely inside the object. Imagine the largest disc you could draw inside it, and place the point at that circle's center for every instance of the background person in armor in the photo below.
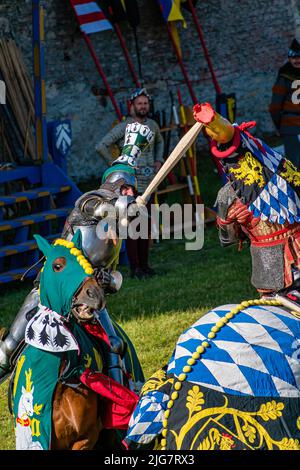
(117, 189)
(149, 164)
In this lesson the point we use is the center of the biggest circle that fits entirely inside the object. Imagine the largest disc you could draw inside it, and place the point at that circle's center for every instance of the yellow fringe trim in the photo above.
(81, 259)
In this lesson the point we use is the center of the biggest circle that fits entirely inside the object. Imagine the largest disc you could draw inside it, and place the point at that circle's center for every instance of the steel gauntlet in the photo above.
(111, 282)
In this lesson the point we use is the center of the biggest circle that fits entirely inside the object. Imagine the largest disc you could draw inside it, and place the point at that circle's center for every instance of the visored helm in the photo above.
(120, 175)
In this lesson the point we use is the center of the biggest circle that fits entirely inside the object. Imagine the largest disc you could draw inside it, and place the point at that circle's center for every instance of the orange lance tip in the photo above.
(217, 127)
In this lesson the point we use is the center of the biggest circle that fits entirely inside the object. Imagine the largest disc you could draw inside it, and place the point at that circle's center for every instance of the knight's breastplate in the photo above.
(100, 244)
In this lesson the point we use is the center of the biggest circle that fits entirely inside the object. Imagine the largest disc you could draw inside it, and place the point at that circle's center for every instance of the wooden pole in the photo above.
(205, 50)
(190, 153)
(125, 50)
(127, 56)
(18, 109)
(23, 79)
(102, 75)
(180, 149)
(182, 66)
(39, 81)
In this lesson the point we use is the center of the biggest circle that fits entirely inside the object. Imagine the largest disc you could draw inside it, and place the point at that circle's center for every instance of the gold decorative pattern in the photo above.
(216, 440)
(20, 364)
(271, 410)
(290, 173)
(37, 409)
(297, 315)
(28, 375)
(156, 381)
(248, 429)
(88, 361)
(194, 400)
(98, 359)
(249, 170)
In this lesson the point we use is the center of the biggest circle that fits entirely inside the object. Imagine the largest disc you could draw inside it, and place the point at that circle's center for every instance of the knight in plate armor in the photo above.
(260, 202)
(90, 215)
(240, 357)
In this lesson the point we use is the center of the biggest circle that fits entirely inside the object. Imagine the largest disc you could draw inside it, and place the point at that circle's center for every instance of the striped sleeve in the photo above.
(279, 92)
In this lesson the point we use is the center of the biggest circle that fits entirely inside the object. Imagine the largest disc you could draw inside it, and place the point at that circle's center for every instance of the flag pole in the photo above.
(190, 152)
(126, 54)
(102, 75)
(210, 66)
(209, 214)
(133, 16)
(182, 66)
(205, 50)
(125, 51)
(138, 55)
(41, 145)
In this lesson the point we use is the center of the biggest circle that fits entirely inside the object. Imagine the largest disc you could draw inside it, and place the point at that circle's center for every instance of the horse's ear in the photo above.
(43, 244)
(77, 239)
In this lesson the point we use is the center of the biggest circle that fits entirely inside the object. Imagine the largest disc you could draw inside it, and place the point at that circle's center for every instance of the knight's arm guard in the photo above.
(232, 214)
(95, 204)
(228, 233)
(111, 281)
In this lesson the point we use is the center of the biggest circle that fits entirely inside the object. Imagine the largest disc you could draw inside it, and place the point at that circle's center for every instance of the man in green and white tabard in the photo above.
(149, 163)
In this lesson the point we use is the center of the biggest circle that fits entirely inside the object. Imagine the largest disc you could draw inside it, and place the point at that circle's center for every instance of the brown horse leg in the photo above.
(83, 444)
(76, 424)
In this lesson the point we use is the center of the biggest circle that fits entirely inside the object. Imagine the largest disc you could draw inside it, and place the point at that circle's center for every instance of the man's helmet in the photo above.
(139, 92)
(119, 175)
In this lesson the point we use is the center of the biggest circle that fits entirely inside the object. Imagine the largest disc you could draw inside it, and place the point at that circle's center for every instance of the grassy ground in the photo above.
(156, 311)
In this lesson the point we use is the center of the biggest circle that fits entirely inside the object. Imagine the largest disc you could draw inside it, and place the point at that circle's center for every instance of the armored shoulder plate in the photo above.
(100, 194)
